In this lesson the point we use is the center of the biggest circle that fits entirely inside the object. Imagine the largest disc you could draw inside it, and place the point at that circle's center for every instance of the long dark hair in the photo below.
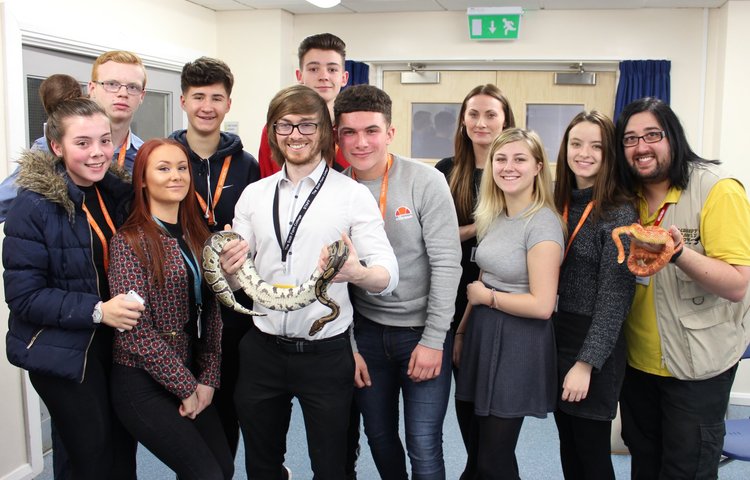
(462, 175)
(607, 192)
(150, 252)
(682, 154)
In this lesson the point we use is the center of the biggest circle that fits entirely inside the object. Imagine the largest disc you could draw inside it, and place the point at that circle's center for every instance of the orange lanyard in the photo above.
(585, 215)
(383, 186)
(217, 193)
(123, 150)
(98, 231)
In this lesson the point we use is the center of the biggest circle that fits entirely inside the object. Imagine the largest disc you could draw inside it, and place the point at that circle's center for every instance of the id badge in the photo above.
(473, 257)
(285, 281)
(643, 280)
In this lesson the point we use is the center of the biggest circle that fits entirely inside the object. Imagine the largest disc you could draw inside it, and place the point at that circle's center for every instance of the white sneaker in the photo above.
(288, 473)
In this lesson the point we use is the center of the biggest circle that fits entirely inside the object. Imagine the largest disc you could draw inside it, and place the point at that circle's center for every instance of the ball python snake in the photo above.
(266, 294)
(642, 262)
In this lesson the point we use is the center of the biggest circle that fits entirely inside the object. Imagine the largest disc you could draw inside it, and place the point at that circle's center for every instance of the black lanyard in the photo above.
(286, 246)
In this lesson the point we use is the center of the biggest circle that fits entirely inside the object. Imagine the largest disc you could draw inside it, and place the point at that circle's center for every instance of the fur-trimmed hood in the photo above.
(45, 174)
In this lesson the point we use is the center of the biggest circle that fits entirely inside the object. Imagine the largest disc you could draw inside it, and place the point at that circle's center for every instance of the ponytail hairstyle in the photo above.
(72, 107)
(57, 88)
(140, 230)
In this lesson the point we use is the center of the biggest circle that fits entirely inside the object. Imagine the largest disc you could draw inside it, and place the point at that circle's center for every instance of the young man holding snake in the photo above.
(689, 322)
(403, 340)
(286, 219)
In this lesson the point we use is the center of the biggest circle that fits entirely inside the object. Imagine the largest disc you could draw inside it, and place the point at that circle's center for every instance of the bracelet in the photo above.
(676, 255)
(492, 303)
(459, 333)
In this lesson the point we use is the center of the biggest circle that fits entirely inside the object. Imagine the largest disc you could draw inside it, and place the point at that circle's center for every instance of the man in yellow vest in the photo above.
(688, 325)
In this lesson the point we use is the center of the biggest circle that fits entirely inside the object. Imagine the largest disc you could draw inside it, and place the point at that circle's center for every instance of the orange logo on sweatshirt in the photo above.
(403, 213)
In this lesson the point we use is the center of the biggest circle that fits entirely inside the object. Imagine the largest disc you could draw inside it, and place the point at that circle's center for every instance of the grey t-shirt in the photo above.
(501, 254)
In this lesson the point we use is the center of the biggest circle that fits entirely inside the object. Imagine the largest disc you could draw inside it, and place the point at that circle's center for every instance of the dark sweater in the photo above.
(592, 283)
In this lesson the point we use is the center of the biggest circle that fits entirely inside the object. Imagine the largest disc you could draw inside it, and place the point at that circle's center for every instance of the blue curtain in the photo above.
(642, 78)
(359, 73)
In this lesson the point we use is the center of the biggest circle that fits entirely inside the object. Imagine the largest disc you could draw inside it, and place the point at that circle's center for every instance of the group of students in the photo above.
(484, 272)
(520, 273)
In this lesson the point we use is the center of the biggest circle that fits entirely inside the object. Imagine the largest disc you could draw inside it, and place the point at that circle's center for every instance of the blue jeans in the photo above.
(387, 351)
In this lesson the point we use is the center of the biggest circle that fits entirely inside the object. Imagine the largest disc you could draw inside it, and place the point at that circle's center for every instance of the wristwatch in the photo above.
(97, 315)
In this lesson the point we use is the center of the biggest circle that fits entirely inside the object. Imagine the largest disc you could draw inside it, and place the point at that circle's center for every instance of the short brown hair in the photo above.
(362, 98)
(206, 71)
(300, 100)
(322, 41)
(117, 56)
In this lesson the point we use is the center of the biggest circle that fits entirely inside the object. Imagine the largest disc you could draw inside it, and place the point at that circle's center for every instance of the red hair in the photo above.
(149, 249)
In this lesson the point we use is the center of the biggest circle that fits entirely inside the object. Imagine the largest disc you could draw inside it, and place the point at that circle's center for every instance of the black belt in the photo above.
(300, 345)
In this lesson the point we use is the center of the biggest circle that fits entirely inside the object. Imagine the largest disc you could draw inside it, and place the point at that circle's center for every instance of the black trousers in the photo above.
(224, 396)
(585, 451)
(96, 443)
(674, 428)
(194, 449)
(272, 372)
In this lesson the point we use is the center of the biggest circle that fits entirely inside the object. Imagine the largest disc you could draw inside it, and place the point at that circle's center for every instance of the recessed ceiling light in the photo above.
(324, 3)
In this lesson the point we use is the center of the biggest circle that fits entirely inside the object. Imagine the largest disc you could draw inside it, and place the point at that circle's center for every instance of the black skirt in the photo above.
(604, 389)
(508, 365)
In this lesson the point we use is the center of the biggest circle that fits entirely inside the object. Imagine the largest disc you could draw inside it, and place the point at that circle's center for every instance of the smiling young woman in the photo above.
(167, 366)
(594, 297)
(62, 317)
(520, 249)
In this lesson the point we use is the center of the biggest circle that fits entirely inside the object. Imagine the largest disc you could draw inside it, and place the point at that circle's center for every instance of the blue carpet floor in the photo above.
(538, 454)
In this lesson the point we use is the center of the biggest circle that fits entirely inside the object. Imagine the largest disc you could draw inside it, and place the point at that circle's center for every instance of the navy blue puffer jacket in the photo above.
(50, 280)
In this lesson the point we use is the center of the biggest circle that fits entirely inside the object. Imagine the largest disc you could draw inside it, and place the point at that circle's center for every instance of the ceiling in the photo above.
(301, 7)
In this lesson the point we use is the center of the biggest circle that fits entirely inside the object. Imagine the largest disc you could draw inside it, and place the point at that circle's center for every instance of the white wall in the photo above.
(257, 46)
(174, 29)
(735, 102)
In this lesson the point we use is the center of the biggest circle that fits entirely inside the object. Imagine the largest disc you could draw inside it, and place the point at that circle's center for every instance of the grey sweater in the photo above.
(592, 283)
(421, 225)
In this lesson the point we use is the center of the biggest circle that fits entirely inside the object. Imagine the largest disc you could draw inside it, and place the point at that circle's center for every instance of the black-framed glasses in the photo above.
(113, 87)
(304, 128)
(650, 137)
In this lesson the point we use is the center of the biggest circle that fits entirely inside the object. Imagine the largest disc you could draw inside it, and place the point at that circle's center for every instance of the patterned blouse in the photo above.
(159, 343)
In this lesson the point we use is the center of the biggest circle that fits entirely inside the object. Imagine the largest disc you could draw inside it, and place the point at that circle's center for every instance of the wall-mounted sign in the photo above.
(494, 23)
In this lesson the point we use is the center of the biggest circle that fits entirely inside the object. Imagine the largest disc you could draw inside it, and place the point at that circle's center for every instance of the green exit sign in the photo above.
(494, 23)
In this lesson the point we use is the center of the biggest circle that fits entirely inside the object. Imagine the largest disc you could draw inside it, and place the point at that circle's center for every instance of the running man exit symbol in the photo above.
(494, 23)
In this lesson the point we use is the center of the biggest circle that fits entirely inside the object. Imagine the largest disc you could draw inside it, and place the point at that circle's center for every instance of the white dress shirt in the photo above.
(342, 205)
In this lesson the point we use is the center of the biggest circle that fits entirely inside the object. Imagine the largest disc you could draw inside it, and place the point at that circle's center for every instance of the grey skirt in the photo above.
(508, 365)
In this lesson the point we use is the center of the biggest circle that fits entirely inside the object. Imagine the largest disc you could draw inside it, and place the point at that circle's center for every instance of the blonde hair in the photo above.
(492, 199)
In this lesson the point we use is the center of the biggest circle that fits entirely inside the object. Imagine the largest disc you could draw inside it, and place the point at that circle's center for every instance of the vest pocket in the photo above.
(710, 335)
(691, 291)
